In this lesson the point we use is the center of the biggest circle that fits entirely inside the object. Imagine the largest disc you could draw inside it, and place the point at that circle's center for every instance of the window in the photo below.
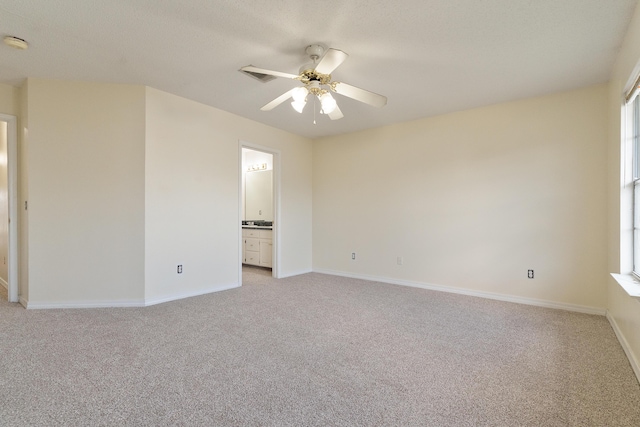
(630, 193)
(634, 127)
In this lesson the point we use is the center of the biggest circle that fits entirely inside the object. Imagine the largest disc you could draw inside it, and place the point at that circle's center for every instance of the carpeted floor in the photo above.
(314, 350)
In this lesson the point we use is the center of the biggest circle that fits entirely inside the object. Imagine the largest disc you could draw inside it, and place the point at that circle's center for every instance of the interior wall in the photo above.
(85, 193)
(9, 100)
(23, 194)
(473, 200)
(623, 310)
(192, 196)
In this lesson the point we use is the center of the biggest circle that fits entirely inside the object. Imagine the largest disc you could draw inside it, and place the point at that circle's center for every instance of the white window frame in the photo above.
(634, 127)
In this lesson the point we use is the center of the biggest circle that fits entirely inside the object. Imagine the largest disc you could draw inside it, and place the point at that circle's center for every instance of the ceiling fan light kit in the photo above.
(328, 103)
(314, 76)
(299, 96)
(300, 93)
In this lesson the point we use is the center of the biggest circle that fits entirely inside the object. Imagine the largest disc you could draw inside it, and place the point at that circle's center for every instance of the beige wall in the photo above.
(192, 196)
(623, 311)
(190, 209)
(23, 194)
(472, 200)
(125, 182)
(9, 100)
(86, 193)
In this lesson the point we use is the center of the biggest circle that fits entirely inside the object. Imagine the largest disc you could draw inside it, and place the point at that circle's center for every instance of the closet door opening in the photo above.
(9, 207)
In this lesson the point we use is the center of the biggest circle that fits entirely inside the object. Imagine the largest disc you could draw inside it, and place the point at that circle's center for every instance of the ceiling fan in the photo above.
(316, 79)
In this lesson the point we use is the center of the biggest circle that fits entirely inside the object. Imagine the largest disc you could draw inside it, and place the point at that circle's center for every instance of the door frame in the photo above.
(276, 258)
(12, 198)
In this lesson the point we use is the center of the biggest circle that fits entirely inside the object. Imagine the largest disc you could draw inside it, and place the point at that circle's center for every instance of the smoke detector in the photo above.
(16, 43)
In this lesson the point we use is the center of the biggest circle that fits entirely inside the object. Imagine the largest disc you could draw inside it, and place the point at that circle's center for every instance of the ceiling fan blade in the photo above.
(336, 114)
(330, 61)
(252, 69)
(360, 94)
(279, 100)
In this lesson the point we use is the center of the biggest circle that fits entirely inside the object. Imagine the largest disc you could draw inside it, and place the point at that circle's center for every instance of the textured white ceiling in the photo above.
(428, 57)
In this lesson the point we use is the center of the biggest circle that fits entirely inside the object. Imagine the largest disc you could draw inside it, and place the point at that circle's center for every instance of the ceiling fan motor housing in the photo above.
(314, 87)
(314, 51)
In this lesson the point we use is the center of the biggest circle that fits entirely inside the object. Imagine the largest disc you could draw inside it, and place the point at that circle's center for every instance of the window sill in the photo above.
(628, 283)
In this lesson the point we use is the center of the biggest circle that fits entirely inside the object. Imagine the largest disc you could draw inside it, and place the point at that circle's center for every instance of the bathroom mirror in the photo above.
(259, 195)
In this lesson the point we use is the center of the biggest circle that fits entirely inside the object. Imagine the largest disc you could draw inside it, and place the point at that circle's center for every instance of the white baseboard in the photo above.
(635, 364)
(294, 273)
(81, 304)
(469, 292)
(174, 297)
(4, 284)
(123, 303)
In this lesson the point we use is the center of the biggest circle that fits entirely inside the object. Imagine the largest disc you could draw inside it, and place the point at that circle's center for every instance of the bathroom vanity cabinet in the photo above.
(257, 246)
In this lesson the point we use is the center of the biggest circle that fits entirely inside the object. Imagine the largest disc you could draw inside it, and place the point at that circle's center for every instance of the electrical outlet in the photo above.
(353, 255)
(399, 260)
(179, 268)
(530, 274)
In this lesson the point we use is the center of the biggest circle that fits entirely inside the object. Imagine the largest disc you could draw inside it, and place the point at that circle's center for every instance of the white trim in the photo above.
(4, 284)
(12, 190)
(276, 256)
(295, 273)
(126, 303)
(630, 87)
(83, 304)
(629, 283)
(633, 361)
(469, 292)
(175, 297)
(240, 210)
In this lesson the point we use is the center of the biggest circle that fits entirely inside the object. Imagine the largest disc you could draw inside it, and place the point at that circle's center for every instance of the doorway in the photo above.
(9, 206)
(259, 208)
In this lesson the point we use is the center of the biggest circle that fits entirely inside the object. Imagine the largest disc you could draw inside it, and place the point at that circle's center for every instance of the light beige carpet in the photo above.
(314, 350)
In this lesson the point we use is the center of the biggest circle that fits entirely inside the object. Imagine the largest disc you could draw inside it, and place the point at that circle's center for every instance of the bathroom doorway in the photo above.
(259, 208)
